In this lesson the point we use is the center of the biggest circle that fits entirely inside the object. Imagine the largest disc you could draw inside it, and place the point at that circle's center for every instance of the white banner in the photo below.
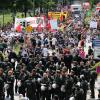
(96, 52)
(30, 21)
(19, 21)
(35, 21)
(93, 24)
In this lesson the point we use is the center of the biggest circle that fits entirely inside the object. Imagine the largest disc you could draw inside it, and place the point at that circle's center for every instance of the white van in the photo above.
(76, 7)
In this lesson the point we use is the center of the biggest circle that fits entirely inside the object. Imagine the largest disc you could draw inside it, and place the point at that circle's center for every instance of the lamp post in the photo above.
(33, 1)
(14, 11)
(3, 18)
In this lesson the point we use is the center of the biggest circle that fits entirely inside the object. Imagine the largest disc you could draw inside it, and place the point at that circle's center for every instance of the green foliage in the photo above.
(21, 5)
(48, 3)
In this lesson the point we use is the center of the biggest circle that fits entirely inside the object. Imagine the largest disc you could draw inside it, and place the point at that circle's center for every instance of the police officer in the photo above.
(86, 72)
(79, 93)
(69, 85)
(37, 78)
(21, 79)
(44, 87)
(55, 97)
(84, 86)
(30, 85)
(63, 84)
(2, 80)
(93, 77)
(57, 83)
(10, 82)
(16, 73)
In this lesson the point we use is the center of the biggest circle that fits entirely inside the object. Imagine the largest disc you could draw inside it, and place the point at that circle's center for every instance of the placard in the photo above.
(93, 24)
(53, 24)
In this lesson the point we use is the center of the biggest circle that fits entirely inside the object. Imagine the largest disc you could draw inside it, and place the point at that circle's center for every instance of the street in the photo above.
(16, 97)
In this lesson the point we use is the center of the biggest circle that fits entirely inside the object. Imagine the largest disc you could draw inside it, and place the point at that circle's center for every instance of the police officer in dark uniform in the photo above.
(84, 86)
(69, 85)
(86, 72)
(44, 87)
(10, 82)
(16, 73)
(50, 76)
(57, 83)
(22, 78)
(63, 84)
(30, 85)
(93, 77)
(79, 93)
(75, 68)
(37, 78)
(2, 80)
(12, 55)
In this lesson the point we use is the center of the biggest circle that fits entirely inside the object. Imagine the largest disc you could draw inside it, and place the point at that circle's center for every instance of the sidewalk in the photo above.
(97, 85)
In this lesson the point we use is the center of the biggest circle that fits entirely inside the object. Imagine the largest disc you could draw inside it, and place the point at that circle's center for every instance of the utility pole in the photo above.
(33, 7)
(3, 18)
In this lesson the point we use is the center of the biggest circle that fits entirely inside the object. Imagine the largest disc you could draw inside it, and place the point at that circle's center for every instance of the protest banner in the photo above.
(19, 22)
(57, 15)
(53, 24)
(93, 24)
(96, 46)
(33, 22)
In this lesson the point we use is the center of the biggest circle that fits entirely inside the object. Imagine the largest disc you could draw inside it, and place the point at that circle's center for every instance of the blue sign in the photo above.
(53, 24)
(96, 43)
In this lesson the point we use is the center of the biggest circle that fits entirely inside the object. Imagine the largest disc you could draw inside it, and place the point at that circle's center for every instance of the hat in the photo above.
(58, 71)
(40, 62)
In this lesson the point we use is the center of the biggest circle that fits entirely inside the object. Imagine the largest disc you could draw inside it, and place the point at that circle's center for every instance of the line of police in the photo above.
(45, 82)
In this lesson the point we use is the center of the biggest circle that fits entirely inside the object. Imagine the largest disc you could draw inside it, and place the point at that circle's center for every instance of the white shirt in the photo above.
(45, 52)
(54, 40)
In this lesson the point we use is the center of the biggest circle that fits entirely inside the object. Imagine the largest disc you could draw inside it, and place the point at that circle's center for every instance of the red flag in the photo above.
(39, 28)
(49, 17)
(48, 25)
(61, 18)
(44, 17)
(18, 28)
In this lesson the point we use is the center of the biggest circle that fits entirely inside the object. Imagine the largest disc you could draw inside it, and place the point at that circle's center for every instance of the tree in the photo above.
(5, 4)
(92, 3)
(24, 5)
(48, 4)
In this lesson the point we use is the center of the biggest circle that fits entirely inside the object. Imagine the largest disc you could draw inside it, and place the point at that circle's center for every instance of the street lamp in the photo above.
(14, 11)
(3, 18)
(33, 1)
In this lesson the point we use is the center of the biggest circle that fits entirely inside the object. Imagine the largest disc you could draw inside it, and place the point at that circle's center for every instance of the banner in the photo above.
(34, 22)
(93, 24)
(96, 46)
(53, 24)
(57, 15)
(19, 22)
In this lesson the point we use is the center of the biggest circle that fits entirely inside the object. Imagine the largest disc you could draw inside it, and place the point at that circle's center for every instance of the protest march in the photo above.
(53, 56)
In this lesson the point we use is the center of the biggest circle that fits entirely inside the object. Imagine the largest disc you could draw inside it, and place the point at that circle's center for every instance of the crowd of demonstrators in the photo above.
(49, 66)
